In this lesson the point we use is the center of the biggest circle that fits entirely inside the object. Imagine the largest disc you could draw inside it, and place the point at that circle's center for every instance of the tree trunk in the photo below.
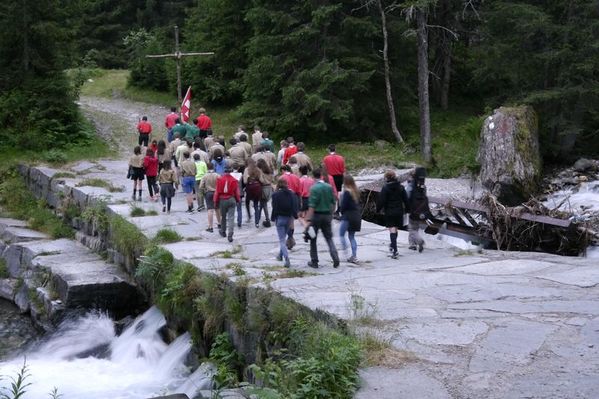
(446, 76)
(423, 94)
(390, 104)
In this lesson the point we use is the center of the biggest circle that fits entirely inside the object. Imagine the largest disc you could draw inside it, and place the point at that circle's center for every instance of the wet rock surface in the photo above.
(16, 330)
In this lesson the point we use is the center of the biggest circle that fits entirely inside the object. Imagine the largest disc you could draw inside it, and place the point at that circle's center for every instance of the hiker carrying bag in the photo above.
(254, 190)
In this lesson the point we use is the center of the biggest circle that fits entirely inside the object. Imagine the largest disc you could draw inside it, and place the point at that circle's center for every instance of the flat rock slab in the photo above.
(489, 324)
(408, 382)
(581, 276)
(513, 343)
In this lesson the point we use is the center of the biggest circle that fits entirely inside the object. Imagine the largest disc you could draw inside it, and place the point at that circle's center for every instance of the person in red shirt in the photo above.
(335, 165)
(290, 151)
(294, 185)
(154, 146)
(144, 128)
(226, 197)
(204, 124)
(151, 169)
(169, 122)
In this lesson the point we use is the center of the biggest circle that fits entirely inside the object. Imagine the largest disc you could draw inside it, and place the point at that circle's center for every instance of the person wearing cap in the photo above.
(204, 123)
(226, 197)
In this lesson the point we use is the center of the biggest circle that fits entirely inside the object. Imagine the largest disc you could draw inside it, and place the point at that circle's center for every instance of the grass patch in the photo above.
(378, 352)
(20, 203)
(65, 175)
(97, 182)
(166, 236)
(126, 237)
(137, 212)
(236, 268)
(295, 273)
(3, 269)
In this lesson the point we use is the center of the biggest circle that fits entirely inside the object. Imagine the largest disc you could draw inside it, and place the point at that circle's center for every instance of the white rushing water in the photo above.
(584, 197)
(86, 359)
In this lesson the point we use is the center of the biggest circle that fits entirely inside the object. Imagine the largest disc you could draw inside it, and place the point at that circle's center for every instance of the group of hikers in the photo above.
(223, 176)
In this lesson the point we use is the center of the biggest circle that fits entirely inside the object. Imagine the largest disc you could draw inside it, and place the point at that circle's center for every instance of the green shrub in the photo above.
(165, 236)
(55, 156)
(97, 215)
(127, 238)
(154, 266)
(227, 361)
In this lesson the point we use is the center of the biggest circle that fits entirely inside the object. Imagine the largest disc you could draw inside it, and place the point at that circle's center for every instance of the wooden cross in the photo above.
(177, 56)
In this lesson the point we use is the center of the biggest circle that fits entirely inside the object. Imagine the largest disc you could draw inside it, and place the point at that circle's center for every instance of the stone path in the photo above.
(459, 324)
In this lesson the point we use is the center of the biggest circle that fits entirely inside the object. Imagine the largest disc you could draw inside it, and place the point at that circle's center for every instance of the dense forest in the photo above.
(348, 70)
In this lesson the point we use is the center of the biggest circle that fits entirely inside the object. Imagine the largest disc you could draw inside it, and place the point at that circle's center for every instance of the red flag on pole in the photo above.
(186, 106)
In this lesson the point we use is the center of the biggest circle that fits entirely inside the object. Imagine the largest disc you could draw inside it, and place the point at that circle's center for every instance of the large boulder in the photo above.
(509, 154)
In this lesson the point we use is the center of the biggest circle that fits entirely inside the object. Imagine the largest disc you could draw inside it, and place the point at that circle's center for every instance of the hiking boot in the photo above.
(266, 223)
(412, 247)
(420, 248)
(353, 259)
(163, 209)
(313, 265)
(287, 263)
(230, 238)
(336, 263)
(290, 243)
(222, 233)
(200, 208)
(257, 225)
(210, 230)
(394, 255)
(279, 257)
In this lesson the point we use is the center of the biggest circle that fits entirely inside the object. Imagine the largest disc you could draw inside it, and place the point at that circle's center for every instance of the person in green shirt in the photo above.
(191, 130)
(267, 142)
(321, 205)
(201, 170)
(179, 128)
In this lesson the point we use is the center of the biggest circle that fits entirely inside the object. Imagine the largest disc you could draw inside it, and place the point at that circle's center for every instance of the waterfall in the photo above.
(85, 358)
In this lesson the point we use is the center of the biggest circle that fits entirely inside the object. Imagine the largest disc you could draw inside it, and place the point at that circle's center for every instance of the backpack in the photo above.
(254, 190)
(419, 207)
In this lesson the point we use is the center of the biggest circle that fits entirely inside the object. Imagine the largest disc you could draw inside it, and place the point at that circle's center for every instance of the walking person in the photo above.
(168, 184)
(284, 212)
(293, 183)
(207, 188)
(393, 200)
(256, 138)
(136, 165)
(351, 216)
(144, 128)
(237, 173)
(335, 166)
(151, 171)
(163, 153)
(226, 198)
(321, 205)
(204, 123)
(419, 209)
(169, 122)
(253, 189)
(266, 179)
(188, 179)
(306, 183)
(201, 170)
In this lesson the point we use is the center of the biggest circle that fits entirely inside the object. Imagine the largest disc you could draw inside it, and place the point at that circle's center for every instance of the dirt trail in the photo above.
(116, 119)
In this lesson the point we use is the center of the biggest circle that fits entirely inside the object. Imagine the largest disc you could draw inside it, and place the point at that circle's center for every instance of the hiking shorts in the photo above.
(188, 183)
